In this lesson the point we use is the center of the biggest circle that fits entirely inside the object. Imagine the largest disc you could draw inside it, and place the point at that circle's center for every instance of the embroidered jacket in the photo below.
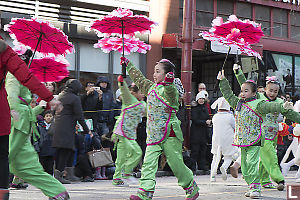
(249, 117)
(270, 124)
(162, 104)
(131, 115)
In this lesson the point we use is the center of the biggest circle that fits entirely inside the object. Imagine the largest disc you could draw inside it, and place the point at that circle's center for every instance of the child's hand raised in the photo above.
(221, 75)
(236, 67)
(124, 61)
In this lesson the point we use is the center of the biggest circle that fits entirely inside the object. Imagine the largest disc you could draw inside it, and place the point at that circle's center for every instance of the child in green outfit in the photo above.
(249, 136)
(129, 152)
(163, 129)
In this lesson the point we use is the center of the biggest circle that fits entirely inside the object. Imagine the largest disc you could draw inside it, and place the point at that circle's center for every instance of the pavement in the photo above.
(166, 189)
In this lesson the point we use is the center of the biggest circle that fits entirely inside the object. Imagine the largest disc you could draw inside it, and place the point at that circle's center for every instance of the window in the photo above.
(262, 16)
(280, 23)
(204, 12)
(295, 26)
(225, 9)
(180, 11)
(297, 73)
(244, 10)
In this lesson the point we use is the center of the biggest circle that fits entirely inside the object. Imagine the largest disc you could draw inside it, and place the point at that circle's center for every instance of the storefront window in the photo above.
(204, 12)
(283, 72)
(262, 16)
(280, 23)
(295, 25)
(225, 9)
(244, 10)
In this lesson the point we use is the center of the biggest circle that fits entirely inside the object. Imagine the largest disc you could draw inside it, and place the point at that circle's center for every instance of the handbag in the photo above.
(100, 158)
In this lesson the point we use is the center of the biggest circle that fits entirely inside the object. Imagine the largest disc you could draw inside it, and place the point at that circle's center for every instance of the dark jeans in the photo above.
(4, 169)
(83, 167)
(198, 153)
(47, 162)
(64, 158)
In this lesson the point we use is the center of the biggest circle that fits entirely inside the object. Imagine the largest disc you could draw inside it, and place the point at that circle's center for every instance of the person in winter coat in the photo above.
(64, 130)
(46, 151)
(106, 116)
(9, 61)
(223, 131)
(199, 131)
(91, 102)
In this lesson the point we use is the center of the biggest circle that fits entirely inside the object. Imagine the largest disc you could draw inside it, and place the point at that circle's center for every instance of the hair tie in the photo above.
(272, 79)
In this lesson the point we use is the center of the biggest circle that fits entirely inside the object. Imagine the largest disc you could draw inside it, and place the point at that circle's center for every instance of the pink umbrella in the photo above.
(122, 21)
(40, 36)
(116, 44)
(235, 33)
(49, 70)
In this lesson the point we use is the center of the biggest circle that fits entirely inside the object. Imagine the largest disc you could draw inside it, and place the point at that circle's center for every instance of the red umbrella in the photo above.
(40, 36)
(115, 44)
(49, 70)
(235, 33)
(122, 21)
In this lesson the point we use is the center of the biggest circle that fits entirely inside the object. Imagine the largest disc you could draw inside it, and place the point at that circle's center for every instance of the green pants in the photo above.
(25, 164)
(268, 165)
(172, 147)
(249, 166)
(129, 154)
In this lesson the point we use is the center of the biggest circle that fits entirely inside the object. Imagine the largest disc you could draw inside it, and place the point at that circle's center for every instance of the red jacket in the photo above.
(10, 61)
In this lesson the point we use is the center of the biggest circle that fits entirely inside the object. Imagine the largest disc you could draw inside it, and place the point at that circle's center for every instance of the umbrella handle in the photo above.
(124, 70)
(216, 87)
(39, 40)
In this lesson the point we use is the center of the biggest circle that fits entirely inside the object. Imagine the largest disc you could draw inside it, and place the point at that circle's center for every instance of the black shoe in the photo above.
(88, 179)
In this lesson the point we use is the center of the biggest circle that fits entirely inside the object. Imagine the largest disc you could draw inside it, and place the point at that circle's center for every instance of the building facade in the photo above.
(280, 47)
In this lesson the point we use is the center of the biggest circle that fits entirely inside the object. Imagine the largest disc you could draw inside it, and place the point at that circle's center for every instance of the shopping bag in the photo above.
(100, 158)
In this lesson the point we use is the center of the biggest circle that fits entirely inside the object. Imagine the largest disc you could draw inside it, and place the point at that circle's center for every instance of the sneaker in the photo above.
(135, 197)
(284, 169)
(247, 194)
(224, 173)
(298, 180)
(255, 194)
(213, 179)
(119, 183)
(269, 186)
(280, 186)
(194, 197)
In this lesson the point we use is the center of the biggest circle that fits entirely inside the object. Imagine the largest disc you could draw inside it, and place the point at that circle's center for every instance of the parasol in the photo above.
(236, 34)
(122, 21)
(40, 36)
(115, 44)
(49, 70)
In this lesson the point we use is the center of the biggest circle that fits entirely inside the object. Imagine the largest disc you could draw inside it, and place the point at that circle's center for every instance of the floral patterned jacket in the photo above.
(162, 105)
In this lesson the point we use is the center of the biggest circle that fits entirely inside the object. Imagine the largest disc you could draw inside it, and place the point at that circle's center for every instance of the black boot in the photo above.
(70, 174)
(4, 194)
(59, 176)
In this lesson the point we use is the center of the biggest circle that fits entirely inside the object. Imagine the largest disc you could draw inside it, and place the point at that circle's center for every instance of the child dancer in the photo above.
(129, 152)
(268, 165)
(249, 135)
(163, 129)
(222, 139)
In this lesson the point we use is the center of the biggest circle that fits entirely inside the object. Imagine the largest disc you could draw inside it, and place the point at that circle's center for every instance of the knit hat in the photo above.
(203, 94)
(221, 103)
(118, 93)
(179, 86)
(297, 106)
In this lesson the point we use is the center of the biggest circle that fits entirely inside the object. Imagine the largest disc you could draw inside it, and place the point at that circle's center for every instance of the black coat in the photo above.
(65, 121)
(45, 141)
(199, 128)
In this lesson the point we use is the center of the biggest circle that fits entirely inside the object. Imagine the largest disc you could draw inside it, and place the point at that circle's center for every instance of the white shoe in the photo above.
(297, 175)
(212, 179)
(255, 195)
(284, 169)
(247, 194)
(298, 180)
(224, 173)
